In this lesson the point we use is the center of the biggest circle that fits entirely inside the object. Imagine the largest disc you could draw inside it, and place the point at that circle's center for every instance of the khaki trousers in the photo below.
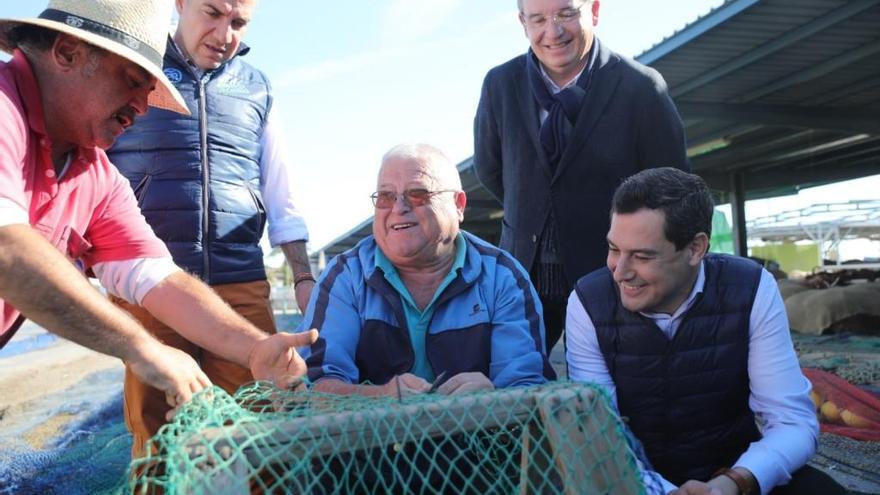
(145, 406)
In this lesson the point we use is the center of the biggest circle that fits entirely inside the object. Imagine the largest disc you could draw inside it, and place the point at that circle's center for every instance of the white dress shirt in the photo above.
(779, 392)
(286, 223)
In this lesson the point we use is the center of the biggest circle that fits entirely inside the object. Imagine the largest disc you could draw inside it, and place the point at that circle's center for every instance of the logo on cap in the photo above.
(74, 21)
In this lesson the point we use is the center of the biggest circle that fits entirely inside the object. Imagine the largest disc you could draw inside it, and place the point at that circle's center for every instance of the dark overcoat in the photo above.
(627, 123)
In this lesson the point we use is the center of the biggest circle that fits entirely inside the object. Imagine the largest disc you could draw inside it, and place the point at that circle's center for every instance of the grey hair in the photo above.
(443, 168)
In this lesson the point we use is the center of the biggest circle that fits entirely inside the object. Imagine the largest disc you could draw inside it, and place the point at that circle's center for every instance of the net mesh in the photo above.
(556, 438)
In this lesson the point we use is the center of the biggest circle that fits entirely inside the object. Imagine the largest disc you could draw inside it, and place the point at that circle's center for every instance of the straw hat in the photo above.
(136, 30)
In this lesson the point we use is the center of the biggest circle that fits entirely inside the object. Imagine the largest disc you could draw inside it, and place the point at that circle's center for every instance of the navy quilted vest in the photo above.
(687, 399)
(197, 178)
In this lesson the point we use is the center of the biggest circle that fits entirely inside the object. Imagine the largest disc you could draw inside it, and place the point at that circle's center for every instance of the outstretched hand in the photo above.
(275, 358)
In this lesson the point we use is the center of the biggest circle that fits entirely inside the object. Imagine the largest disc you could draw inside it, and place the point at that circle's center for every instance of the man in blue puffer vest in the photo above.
(207, 184)
(694, 347)
(420, 300)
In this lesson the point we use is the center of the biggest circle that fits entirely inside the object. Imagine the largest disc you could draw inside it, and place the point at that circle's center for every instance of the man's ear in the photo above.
(595, 11)
(67, 51)
(522, 20)
(698, 247)
(460, 203)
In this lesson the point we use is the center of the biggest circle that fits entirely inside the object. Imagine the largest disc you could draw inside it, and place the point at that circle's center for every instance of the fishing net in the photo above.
(89, 458)
(555, 438)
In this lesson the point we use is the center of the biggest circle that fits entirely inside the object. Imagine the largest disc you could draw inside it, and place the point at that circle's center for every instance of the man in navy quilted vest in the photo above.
(694, 348)
(208, 183)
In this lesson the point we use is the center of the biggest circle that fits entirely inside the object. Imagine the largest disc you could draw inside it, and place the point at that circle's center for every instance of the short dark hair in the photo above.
(37, 37)
(684, 199)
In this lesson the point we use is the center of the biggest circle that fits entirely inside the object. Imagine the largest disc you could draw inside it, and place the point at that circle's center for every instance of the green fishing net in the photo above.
(556, 438)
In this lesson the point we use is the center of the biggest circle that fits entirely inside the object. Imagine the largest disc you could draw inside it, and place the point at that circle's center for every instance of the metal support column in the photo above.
(738, 213)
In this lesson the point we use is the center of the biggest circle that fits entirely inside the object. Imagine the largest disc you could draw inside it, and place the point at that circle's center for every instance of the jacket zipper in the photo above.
(206, 178)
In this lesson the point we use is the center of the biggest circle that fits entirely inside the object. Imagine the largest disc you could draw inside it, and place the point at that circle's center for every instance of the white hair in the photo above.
(443, 169)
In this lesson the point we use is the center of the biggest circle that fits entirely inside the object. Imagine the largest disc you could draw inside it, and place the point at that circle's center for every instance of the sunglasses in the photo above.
(414, 197)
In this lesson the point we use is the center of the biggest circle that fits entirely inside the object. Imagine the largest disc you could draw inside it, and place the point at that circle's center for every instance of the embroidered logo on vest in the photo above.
(173, 75)
(230, 86)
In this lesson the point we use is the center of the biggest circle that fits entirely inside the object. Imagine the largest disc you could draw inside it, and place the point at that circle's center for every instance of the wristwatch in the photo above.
(742, 483)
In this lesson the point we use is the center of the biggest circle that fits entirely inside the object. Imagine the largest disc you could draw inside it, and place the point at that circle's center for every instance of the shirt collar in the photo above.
(699, 285)
(29, 91)
(387, 267)
(555, 88)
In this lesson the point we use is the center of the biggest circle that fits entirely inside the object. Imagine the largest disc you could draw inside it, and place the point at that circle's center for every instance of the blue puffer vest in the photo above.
(687, 399)
(197, 178)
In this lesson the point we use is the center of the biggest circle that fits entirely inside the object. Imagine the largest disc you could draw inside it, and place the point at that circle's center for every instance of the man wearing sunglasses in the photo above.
(556, 130)
(420, 299)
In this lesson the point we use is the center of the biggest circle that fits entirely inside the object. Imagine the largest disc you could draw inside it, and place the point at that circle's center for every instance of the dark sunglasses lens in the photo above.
(418, 197)
(384, 199)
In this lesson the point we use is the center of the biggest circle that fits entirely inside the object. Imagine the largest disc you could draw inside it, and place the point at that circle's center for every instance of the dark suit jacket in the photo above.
(627, 123)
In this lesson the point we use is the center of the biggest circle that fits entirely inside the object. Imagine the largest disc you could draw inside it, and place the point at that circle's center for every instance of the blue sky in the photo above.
(353, 78)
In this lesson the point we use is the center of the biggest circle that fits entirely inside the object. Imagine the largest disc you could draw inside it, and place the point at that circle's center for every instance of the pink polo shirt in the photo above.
(91, 214)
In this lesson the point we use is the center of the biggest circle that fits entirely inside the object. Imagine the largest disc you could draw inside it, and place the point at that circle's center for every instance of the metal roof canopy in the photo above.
(825, 224)
(776, 95)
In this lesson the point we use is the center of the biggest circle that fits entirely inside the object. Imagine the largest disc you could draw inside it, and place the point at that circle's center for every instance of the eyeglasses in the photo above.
(564, 16)
(415, 197)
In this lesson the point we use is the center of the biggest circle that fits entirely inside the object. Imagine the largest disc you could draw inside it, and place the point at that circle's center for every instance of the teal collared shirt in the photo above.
(417, 320)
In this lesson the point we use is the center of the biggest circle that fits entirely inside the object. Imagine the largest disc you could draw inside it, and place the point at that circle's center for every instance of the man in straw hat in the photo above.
(207, 183)
(79, 75)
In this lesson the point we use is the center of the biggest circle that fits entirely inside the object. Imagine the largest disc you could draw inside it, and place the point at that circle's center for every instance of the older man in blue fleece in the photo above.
(420, 300)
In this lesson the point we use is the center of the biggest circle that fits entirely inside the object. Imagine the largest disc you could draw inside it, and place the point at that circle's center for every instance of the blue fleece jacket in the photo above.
(488, 319)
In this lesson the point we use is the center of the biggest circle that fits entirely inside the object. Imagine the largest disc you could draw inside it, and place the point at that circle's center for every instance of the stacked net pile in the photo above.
(555, 438)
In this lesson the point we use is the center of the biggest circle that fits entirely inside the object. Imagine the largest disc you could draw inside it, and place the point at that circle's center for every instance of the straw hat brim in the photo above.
(164, 96)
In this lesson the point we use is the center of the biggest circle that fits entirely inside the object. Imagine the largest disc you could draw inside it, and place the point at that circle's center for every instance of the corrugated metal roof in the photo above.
(786, 92)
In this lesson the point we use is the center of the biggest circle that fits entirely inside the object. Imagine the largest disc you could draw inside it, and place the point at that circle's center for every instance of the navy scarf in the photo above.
(563, 107)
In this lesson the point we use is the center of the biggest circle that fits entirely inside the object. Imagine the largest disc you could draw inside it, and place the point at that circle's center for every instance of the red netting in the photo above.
(843, 408)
